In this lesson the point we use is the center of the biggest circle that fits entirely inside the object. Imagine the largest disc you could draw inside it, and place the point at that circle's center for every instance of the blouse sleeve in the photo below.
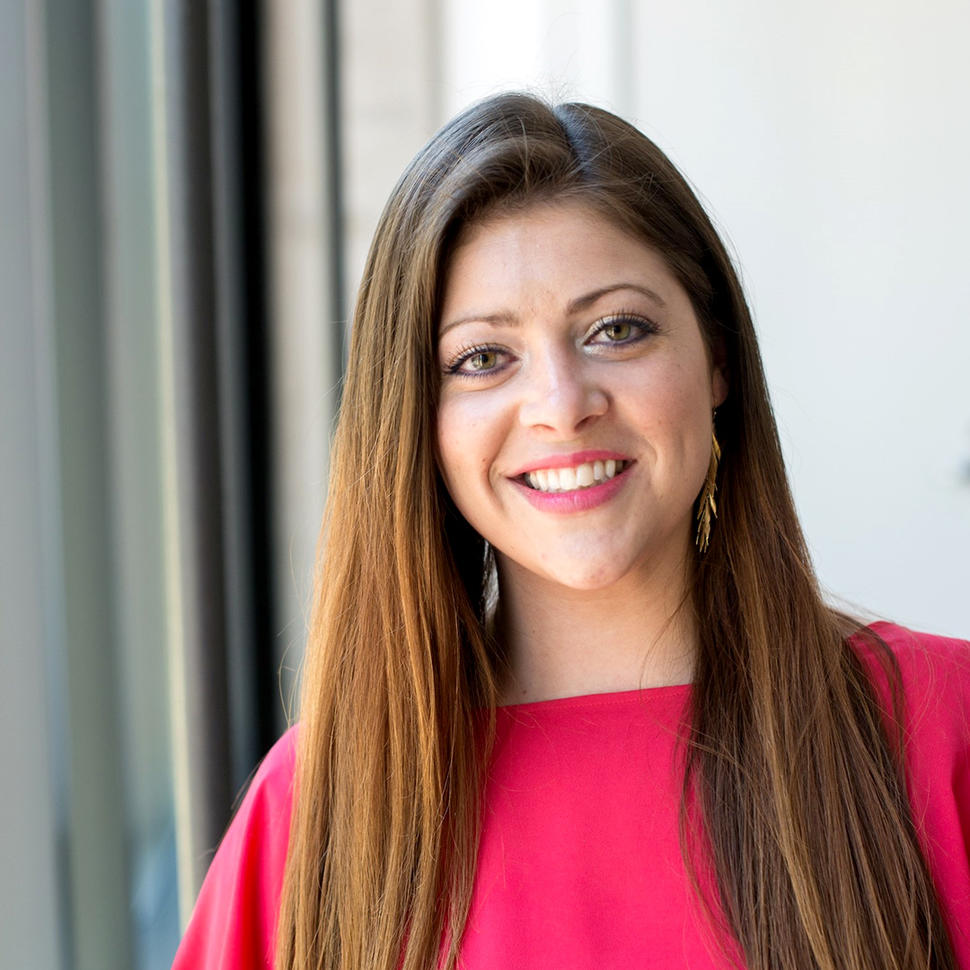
(233, 925)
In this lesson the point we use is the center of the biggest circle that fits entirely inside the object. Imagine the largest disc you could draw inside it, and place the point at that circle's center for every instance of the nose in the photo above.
(561, 394)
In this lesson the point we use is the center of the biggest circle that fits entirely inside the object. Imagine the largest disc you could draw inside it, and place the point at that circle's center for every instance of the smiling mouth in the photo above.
(586, 475)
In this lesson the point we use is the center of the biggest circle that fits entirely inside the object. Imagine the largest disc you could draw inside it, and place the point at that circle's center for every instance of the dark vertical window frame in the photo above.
(236, 164)
(231, 323)
(250, 130)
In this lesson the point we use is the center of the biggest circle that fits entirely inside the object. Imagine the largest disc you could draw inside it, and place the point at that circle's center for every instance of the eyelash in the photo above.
(642, 325)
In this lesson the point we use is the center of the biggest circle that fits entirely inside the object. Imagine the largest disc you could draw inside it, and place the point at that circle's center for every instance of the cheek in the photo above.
(670, 401)
(475, 422)
(447, 447)
(675, 415)
(463, 447)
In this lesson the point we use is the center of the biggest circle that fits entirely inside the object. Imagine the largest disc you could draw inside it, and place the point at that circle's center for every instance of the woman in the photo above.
(572, 696)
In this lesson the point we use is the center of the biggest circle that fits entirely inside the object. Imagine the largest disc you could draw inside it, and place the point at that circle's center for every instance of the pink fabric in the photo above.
(580, 862)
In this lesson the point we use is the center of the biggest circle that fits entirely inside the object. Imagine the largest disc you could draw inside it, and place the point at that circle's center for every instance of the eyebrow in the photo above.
(507, 319)
(588, 299)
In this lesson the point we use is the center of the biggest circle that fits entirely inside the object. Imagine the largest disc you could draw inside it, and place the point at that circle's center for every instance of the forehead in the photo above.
(565, 216)
(549, 251)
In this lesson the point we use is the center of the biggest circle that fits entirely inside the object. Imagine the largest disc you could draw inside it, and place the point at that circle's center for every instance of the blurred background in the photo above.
(187, 192)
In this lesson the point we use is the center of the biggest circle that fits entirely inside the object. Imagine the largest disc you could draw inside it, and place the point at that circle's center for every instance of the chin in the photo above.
(586, 578)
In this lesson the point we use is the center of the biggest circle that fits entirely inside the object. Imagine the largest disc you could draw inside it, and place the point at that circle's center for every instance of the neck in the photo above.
(565, 642)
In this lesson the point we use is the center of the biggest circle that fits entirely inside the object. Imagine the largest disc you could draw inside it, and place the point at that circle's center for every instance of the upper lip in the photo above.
(569, 461)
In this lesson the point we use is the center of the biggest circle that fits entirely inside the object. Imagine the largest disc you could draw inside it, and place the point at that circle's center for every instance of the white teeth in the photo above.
(569, 479)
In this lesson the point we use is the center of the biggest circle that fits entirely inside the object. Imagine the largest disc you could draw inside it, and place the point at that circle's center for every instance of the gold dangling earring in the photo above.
(707, 507)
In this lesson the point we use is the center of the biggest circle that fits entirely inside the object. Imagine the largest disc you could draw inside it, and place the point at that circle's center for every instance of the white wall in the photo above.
(831, 143)
(833, 146)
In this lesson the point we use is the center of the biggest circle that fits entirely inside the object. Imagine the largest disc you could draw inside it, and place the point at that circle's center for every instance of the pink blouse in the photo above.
(580, 863)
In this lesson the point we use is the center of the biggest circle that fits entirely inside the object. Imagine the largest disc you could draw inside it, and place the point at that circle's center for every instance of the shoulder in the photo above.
(913, 647)
(233, 923)
(274, 778)
(934, 672)
(934, 682)
(260, 828)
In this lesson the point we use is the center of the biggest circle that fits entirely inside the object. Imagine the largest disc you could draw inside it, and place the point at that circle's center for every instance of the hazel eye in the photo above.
(480, 361)
(483, 360)
(617, 330)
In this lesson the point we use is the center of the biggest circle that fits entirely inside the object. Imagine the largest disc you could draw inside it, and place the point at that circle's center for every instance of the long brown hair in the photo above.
(792, 782)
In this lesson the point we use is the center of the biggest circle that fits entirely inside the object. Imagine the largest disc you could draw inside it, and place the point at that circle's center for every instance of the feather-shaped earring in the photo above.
(707, 506)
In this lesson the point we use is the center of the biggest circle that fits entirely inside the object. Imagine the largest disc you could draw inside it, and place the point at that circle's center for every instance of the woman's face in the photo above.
(574, 420)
